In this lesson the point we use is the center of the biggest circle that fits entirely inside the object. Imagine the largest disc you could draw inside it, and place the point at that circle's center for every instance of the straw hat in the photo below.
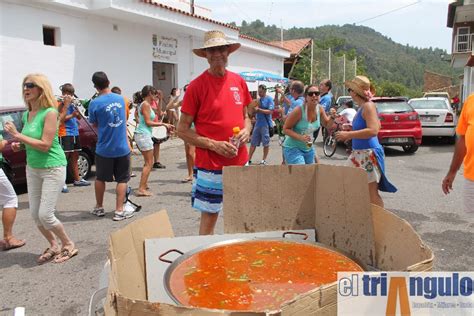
(361, 86)
(215, 39)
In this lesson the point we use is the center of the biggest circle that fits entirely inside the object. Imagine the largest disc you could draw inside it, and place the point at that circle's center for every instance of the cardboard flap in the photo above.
(127, 255)
(144, 308)
(265, 198)
(343, 215)
(398, 247)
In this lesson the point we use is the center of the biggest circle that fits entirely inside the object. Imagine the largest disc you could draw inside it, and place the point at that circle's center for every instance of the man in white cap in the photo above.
(216, 102)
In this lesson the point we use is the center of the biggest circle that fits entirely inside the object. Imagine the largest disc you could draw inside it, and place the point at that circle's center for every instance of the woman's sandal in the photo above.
(65, 255)
(186, 180)
(47, 255)
(12, 243)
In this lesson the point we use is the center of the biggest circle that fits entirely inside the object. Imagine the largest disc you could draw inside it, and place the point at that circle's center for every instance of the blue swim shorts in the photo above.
(207, 190)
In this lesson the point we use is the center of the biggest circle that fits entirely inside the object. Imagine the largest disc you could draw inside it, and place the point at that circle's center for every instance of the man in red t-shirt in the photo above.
(216, 102)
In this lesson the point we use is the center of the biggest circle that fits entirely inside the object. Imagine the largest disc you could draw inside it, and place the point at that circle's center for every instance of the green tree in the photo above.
(302, 70)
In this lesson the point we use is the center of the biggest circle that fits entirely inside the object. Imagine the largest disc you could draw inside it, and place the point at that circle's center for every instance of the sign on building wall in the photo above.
(165, 48)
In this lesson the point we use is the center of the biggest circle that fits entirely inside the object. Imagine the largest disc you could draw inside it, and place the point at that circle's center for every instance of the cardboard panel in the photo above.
(332, 199)
(126, 252)
(128, 307)
(304, 304)
(397, 246)
(343, 215)
(262, 198)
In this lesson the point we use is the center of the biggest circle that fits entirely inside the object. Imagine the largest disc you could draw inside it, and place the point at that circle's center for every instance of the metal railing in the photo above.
(463, 43)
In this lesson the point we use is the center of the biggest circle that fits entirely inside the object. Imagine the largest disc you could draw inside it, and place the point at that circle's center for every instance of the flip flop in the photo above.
(12, 243)
(47, 256)
(143, 194)
(65, 255)
(185, 180)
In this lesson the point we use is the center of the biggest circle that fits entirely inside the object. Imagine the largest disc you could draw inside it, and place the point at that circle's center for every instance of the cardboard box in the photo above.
(330, 199)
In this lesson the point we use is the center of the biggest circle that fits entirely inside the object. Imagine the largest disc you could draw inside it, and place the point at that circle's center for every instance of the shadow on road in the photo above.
(181, 165)
(437, 145)
(173, 193)
(23, 259)
(23, 205)
(81, 216)
(161, 181)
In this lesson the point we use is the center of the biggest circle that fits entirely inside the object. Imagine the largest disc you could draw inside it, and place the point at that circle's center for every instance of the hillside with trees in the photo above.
(392, 66)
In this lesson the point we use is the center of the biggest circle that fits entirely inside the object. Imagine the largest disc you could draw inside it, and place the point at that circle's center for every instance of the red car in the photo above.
(16, 161)
(400, 124)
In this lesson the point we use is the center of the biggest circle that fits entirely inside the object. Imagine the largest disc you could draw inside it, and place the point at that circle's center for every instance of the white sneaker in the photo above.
(126, 214)
(263, 162)
(98, 211)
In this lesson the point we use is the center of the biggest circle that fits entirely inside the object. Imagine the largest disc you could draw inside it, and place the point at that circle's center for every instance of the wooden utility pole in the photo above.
(312, 59)
(281, 32)
(329, 74)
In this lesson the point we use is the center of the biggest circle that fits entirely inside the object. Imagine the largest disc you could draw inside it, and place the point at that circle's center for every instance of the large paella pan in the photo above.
(252, 274)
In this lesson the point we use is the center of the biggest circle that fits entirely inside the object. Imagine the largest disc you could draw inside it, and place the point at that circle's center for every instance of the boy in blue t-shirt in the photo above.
(112, 160)
(261, 130)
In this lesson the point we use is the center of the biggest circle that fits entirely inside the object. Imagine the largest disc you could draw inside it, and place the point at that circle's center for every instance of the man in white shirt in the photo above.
(349, 112)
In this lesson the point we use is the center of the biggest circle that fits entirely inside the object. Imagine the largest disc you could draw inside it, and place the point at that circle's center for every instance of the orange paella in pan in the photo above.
(256, 274)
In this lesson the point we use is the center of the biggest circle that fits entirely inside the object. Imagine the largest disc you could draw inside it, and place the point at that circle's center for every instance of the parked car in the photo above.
(437, 117)
(438, 94)
(342, 99)
(16, 161)
(400, 124)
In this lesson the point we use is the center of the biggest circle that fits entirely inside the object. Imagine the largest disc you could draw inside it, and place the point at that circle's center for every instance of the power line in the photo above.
(270, 12)
(388, 12)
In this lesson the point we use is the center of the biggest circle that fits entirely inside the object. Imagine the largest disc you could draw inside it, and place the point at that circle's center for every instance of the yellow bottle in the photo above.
(234, 139)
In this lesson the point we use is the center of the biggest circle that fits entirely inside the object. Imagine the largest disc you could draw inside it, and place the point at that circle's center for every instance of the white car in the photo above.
(436, 116)
(343, 99)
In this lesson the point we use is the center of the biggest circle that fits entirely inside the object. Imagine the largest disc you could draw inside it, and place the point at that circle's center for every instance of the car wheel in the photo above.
(410, 148)
(84, 165)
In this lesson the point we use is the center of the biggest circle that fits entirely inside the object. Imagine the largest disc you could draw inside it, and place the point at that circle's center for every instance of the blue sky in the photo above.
(419, 23)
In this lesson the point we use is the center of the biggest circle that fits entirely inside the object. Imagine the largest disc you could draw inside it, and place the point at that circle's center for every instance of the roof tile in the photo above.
(294, 46)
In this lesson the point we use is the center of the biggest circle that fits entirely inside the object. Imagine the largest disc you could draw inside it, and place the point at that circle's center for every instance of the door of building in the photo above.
(164, 77)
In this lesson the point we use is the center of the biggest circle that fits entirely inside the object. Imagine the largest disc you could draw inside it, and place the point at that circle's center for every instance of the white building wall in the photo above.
(246, 60)
(89, 43)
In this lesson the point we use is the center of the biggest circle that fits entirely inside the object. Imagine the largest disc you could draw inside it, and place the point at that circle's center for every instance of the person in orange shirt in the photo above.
(464, 152)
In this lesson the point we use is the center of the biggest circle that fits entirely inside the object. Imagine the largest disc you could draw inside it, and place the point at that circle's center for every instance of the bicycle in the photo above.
(329, 140)
(279, 130)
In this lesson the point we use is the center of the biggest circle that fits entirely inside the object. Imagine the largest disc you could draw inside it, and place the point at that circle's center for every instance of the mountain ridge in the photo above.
(378, 56)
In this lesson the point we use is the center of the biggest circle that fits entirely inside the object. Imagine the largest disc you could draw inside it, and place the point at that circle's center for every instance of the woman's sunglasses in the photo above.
(314, 93)
(29, 85)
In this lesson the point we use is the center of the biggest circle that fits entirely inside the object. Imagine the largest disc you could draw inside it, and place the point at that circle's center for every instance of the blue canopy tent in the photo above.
(252, 76)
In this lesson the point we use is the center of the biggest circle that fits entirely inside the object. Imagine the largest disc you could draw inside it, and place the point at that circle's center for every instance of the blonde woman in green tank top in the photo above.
(45, 165)
(299, 126)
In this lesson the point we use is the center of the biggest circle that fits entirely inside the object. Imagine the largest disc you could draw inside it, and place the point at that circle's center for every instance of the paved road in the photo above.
(65, 289)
